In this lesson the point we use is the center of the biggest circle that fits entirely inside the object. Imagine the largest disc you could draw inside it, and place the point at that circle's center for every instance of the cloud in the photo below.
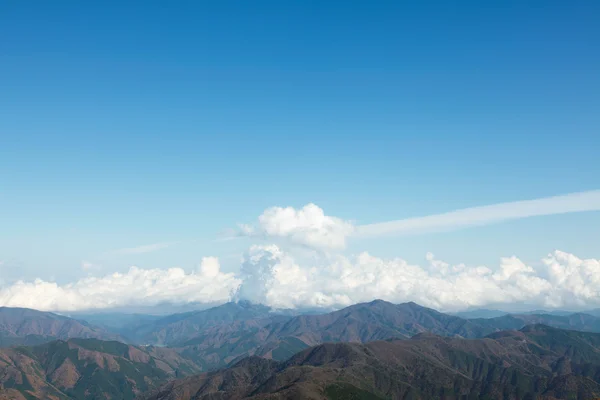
(561, 280)
(210, 267)
(274, 277)
(136, 287)
(574, 202)
(147, 248)
(308, 226)
(257, 273)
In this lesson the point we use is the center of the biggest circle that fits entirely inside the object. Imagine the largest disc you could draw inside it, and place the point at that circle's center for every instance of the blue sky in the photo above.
(124, 125)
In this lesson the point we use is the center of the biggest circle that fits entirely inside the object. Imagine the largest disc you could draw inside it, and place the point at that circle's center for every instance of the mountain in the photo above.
(373, 321)
(556, 312)
(87, 369)
(279, 337)
(244, 335)
(123, 324)
(26, 326)
(480, 313)
(487, 313)
(578, 321)
(177, 329)
(537, 362)
(220, 336)
(358, 323)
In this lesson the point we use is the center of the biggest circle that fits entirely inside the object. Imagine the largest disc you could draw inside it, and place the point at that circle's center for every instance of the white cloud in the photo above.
(274, 277)
(147, 248)
(210, 267)
(308, 226)
(562, 280)
(574, 202)
(256, 273)
(136, 287)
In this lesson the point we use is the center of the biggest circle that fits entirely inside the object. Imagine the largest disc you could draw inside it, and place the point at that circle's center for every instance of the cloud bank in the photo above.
(274, 277)
(561, 280)
(136, 287)
(309, 226)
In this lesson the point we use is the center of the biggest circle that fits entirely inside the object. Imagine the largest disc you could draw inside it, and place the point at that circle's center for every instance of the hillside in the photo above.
(86, 369)
(29, 327)
(536, 362)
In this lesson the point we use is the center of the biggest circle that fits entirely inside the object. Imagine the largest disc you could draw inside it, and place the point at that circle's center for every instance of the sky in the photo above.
(277, 150)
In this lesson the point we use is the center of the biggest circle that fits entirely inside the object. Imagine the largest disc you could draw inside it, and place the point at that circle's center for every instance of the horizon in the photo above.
(299, 155)
(181, 309)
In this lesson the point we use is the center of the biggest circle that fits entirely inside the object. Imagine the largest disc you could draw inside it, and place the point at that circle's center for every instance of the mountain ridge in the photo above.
(28, 326)
(86, 369)
(514, 363)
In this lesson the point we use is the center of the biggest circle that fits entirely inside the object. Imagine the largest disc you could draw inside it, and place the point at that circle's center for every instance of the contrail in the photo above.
(484, 215)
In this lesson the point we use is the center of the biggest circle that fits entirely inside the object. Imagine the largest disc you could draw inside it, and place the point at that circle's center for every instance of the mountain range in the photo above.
(219, 336)
(54, 355)
(537, 362)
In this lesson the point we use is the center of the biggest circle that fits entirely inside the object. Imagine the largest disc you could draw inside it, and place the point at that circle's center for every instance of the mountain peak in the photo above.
(380, 303)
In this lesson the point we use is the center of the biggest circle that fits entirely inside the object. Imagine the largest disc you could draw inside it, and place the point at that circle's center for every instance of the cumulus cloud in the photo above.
(276, 278)
(210, 267)
(257, 273)
(561, 280)
(308, 226)
(136, 287)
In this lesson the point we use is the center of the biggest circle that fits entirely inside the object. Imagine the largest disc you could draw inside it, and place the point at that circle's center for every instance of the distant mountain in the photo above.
(26, 326)
(595, 312)
(373, 321)
(220, 336)
(279, 337)
(538, 362)
(555, 312)
(86, 369)
(176, 329)
(217, 337)
(122, 324)
(579, 322)
(116, 321)
(480, 313)
(207, 340)
(487, 313)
